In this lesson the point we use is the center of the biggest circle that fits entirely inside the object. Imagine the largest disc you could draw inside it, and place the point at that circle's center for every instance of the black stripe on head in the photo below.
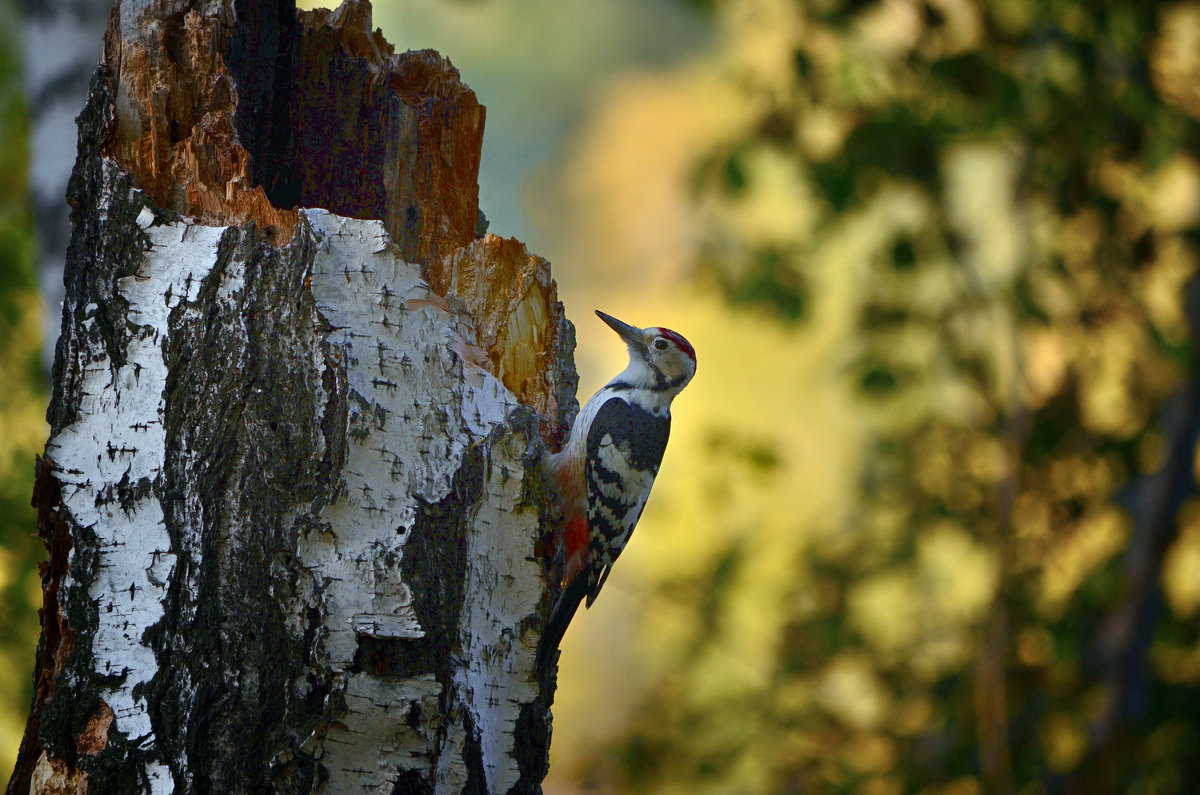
(664, 384)
(660, 380)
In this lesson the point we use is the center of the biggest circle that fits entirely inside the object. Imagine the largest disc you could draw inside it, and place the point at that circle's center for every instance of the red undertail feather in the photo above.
(575, 543)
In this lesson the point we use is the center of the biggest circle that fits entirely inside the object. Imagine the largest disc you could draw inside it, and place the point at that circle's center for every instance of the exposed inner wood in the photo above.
(174, 127)
(511, 294)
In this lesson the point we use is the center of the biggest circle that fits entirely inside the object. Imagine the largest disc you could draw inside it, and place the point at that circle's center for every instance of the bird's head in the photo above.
(659, 359)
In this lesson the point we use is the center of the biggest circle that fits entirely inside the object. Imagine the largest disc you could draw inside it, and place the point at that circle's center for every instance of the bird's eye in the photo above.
(660, 344)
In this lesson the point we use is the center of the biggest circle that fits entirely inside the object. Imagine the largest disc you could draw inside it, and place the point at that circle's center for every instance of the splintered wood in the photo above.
(515, 299)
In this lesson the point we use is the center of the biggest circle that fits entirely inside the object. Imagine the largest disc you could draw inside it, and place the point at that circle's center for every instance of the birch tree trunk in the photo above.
(290, 495)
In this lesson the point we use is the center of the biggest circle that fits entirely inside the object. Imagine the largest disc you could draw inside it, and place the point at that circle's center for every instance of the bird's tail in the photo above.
(560, 618)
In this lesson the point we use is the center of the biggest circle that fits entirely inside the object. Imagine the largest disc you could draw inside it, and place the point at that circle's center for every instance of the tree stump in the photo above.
(291, 495)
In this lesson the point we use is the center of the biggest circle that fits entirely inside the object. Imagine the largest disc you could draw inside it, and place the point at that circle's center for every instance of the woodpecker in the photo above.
(604, 473)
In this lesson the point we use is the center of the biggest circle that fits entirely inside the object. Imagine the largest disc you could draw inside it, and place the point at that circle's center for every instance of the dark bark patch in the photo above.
(531, 741)
(473, 758)
(57, 634)
(244, 422)
(400, 657)
(434, 567)
(75, 697)
(411, 782)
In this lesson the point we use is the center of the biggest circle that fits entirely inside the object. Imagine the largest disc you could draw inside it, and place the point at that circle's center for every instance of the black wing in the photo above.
(625, 446)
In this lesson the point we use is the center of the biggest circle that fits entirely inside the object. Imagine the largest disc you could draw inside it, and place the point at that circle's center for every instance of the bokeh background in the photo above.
(927, 523)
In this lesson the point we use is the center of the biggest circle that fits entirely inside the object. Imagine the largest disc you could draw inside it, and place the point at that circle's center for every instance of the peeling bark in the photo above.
(291, 494)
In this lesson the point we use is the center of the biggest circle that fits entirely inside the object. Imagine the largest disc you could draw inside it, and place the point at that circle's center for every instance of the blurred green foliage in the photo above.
(22, 405)
(1011, 190)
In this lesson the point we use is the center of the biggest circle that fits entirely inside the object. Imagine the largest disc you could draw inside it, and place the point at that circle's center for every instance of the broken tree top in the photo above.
(232, 113)
(260, 111)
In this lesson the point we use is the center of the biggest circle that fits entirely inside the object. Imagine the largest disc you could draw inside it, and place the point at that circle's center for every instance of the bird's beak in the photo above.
(631, 334)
